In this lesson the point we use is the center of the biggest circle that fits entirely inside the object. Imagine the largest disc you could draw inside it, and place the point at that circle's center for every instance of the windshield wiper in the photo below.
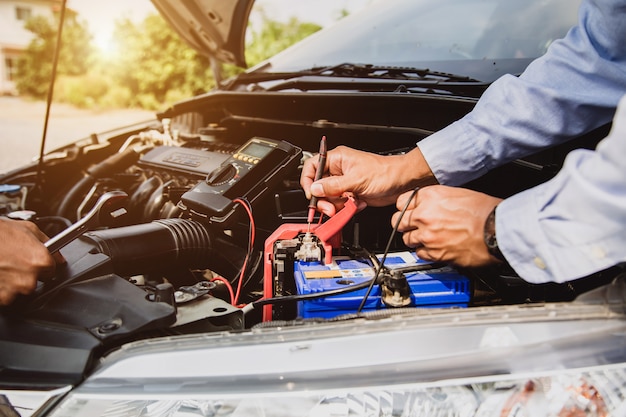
(390, 73)
(349, 70)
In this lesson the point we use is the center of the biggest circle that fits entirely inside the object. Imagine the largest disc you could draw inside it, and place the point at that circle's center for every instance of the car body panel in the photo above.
(214, 28)
(117, 318)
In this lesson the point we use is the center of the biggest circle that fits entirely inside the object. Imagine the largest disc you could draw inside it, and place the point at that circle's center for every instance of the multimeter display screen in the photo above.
(256, 150)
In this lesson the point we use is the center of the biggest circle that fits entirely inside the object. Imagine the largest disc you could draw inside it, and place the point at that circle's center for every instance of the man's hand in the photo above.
(23, 258)
(447, 224)
(374, 180)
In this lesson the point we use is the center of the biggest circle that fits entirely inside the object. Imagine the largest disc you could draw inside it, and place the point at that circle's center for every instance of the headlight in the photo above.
(554, 360)
(597, 392)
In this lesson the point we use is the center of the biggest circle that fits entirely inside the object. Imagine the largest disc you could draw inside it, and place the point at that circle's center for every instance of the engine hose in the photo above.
(166, 244)
(113, 164)
(77, 191)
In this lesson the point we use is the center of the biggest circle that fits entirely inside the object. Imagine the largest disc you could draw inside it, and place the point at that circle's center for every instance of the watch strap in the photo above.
(490, 238)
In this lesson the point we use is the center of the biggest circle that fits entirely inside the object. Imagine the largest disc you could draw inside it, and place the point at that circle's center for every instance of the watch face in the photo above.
(490, 240)
(490, 236)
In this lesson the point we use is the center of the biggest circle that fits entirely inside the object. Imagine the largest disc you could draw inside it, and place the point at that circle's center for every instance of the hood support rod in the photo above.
(55, 63)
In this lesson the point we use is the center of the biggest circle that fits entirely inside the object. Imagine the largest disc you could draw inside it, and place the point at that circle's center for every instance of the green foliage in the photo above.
(35, 65)
(276, 36)
(83, 91)
(152, 68)
(153, 61)
(272, 38)
(116, 97)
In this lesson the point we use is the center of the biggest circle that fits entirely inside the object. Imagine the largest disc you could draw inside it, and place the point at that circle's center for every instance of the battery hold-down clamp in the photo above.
(315, 244)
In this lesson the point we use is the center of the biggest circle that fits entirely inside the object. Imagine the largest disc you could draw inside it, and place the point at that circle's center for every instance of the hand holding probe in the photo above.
(318, 174)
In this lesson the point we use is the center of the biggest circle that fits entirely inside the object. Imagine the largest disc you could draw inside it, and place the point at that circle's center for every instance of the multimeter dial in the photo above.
(222, 175)
(250, 172)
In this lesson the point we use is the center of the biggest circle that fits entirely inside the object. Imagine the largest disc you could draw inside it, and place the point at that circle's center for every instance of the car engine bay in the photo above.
(196, 223)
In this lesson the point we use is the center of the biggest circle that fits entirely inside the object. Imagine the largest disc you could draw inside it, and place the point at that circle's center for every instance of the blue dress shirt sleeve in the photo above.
(575, 224)
(572, 89)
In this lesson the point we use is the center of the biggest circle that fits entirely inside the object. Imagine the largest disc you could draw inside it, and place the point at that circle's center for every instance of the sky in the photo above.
(101, 15)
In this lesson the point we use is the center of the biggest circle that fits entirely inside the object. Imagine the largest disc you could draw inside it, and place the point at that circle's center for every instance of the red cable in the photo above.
(246, 206)
(228, 286)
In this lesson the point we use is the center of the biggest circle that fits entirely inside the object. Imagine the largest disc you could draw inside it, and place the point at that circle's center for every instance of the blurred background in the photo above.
(119, 63)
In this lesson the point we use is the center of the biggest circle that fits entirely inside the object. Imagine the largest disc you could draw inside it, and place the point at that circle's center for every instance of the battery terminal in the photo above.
(396, 291)
(309, 250)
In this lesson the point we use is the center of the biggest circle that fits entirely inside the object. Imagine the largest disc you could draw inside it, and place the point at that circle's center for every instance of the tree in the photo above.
(275, 36)
(35, 64)
(157, 65)
(272, 38)
(153, 66)
(154, 62)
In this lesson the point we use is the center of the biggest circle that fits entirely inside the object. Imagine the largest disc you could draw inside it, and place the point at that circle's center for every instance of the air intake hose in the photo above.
(165, 245)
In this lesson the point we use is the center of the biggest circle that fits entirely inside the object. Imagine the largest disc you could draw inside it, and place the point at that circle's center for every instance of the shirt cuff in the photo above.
(519, 240)
(453, 168)
(545, 240)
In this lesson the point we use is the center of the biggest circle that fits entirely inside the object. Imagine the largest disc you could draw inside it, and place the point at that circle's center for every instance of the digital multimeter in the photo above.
(248, 173)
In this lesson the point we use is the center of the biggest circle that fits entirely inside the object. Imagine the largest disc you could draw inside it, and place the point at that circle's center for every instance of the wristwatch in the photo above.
(490, 236)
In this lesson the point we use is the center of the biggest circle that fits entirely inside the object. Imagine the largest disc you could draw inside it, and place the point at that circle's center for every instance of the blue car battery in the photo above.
(436, 287)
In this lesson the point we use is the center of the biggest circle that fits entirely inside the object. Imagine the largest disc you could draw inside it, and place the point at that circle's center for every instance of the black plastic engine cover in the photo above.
(56, 342)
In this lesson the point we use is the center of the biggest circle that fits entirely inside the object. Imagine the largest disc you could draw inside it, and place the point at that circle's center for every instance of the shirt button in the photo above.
(539, 263)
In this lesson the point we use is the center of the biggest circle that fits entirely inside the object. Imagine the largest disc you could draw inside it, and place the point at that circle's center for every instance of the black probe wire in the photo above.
(338, 291)
(310, 296)
(366, 284)
(384, 257)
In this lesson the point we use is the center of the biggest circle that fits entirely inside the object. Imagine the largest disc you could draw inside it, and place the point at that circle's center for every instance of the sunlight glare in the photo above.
(105, 45)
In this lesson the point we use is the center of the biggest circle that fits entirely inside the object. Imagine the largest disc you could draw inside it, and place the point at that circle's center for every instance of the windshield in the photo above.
(441, 35)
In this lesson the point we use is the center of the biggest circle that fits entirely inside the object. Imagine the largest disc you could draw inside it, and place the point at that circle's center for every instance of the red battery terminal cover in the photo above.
(328, 233)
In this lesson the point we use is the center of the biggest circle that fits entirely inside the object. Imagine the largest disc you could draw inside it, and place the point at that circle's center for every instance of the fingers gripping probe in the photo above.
(318, 175)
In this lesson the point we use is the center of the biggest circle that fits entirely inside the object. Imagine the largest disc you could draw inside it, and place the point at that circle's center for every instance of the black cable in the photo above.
(322, 294)
(366, 284)
(310, 296)
(403, 269)
(384, 257)
(363, 252)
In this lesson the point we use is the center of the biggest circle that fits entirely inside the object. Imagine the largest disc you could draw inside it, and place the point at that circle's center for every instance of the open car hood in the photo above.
(215, 28)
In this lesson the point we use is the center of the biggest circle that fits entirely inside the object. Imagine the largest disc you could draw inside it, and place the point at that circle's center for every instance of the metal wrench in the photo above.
(106, 208)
